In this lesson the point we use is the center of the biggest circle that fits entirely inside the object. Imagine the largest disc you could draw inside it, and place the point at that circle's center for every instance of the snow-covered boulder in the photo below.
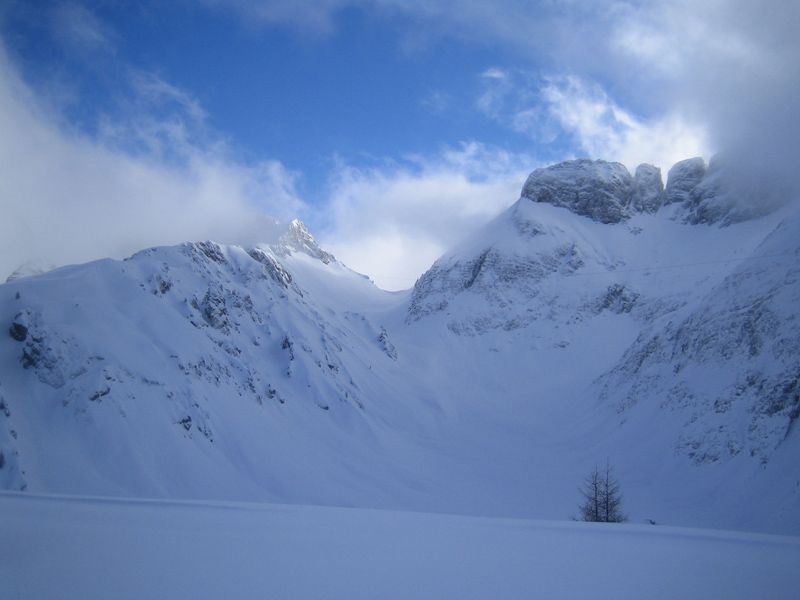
(596, 189)
(648, 189)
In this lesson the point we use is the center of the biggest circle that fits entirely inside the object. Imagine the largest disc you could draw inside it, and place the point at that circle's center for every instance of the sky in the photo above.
(392, 128)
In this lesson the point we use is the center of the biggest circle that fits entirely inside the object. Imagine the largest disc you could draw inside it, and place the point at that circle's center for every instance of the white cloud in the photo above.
(511, 97)
(672, 38)
(605, 130)
(496, 89)
(546, 108)
(316, 16)
(66, 197)
(77, 28)
(729, 65)
(151, 89)
(157, 119)
(687, 78)
(392, 222)
(437, 101)
(495, 73)
(732, 64)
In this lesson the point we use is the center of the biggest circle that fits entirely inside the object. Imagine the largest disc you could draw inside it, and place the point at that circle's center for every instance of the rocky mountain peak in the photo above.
(297, 238)
(596, 189)
(648, 189)
(718, 193)
(601, 190)
(682, 178)
(607, 193)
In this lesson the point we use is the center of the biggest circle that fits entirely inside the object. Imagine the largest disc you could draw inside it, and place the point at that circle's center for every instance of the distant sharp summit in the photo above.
(298, 239)
(594, 320)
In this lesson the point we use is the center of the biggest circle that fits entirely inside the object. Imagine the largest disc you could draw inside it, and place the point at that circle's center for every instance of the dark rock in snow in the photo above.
(18, 331)
(682, 178)
(273, 268)
(596, 189)
(648, 189)
(211, 251)
(716, 194)
(214, 309)
(617, 299)
(387, 345)
(96, 396)
(288, 345)
(164, 285)
(718, 198)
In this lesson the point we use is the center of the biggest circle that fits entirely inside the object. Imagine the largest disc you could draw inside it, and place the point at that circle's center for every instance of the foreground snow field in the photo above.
(58, 547)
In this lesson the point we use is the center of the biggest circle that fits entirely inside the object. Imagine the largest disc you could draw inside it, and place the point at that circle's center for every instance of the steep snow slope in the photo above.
(193, 371)
(548, 342)
(552, 311)
(730, 361)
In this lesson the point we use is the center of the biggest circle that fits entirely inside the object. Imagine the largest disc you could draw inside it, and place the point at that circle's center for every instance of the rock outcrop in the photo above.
(682, 179)
(716, 194)
(596, 189)
(603, 191)
(298, 239)
(648, 189)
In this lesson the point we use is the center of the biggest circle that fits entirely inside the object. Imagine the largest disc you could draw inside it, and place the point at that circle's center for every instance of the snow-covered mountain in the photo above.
(603, 316)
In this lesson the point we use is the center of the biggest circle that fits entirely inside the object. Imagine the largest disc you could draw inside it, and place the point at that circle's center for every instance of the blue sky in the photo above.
(361, 91)
(392, 128)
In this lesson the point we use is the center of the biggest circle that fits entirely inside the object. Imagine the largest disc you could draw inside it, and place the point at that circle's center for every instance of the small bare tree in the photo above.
(602, 499)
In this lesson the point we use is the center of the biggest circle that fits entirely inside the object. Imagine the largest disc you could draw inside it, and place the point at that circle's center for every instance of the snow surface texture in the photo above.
(99, 549)
(554, 339)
